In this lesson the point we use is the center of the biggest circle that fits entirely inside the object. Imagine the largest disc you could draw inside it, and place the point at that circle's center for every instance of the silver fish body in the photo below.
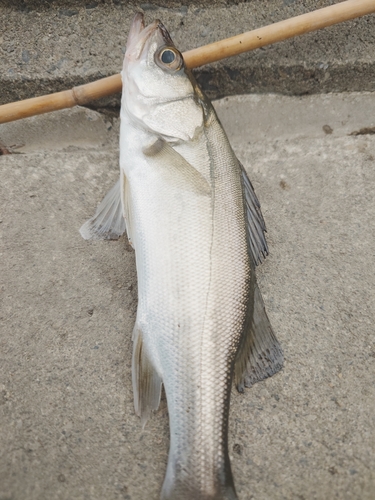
(195, 224)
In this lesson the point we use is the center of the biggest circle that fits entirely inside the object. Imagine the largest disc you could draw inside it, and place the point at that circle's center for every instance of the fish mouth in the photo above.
(140, 34)
(165, 34)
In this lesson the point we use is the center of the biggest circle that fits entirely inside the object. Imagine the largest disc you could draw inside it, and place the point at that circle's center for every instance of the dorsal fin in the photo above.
(255, 222)
(261, 355)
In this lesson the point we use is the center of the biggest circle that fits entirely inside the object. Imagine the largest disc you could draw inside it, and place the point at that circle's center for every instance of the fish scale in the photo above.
(229, 267)
(195, 223)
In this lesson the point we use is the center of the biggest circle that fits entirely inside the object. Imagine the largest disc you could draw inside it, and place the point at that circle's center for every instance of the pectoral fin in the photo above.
(108, 222)
(125, 200)
(146, 381)
(260, 355)
(175, 169)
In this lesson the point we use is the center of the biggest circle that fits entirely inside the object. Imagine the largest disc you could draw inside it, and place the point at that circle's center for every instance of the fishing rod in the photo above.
(277, 32)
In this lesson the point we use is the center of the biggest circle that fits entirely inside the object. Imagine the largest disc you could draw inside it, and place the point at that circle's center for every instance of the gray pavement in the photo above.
(68, 428)
(47, 46)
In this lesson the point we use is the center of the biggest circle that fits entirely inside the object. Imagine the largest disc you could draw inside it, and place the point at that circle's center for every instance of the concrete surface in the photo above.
(68, 429)
(46, 46)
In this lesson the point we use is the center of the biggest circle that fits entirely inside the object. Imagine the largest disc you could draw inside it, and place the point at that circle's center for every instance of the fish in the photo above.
(192, 216)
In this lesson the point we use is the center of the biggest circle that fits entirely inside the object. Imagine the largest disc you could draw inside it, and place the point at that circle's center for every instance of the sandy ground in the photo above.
(68, 428)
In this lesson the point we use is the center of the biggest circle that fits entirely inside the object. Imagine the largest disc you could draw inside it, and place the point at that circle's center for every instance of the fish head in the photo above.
(158, 92)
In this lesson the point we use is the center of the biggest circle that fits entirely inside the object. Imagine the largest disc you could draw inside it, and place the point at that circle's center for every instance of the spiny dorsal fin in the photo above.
(146, 381)
(108, 222)
(261, 355)
(255, 222)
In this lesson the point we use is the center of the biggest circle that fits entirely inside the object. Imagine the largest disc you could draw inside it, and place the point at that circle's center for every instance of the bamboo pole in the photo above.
(312, 21)
(318, 19)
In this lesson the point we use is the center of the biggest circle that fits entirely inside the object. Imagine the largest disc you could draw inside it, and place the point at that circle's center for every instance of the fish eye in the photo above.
(169, 58)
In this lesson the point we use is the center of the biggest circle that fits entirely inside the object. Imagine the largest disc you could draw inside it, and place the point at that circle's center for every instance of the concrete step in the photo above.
(68, 428)
(51, 46)
(268, 117)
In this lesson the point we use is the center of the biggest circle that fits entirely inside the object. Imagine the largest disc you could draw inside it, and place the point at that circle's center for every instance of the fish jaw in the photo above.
(139, 34)
(152, 91)
(138, 37)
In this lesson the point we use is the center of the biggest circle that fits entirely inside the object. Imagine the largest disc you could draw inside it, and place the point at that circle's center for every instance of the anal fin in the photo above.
(260, 355)
(146, 381)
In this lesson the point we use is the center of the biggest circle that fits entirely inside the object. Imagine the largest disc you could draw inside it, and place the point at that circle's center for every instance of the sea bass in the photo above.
(195, 223)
